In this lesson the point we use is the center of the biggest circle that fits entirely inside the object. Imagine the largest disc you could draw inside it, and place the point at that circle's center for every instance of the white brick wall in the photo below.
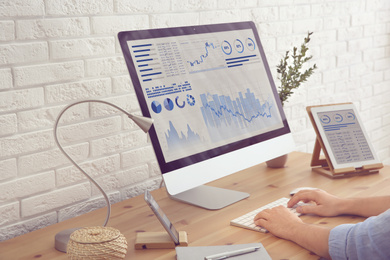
(54, 52)
(52, 28)
(47, 73)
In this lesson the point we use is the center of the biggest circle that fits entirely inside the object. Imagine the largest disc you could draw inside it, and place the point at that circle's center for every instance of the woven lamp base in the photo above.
(97, 243)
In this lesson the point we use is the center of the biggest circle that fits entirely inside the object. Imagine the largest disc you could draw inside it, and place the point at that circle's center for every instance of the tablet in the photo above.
(343, 135)
(162, 217)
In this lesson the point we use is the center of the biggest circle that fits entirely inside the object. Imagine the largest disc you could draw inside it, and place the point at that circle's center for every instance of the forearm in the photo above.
(312, 237)
(365, 207)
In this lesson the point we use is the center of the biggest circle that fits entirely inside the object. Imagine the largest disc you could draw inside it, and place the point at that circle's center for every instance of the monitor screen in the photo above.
(211, 95)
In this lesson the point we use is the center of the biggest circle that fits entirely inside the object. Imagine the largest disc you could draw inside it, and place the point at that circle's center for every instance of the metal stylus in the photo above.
(232, 253)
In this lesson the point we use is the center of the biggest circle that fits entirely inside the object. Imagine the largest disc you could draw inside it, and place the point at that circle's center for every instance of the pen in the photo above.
(232, 253)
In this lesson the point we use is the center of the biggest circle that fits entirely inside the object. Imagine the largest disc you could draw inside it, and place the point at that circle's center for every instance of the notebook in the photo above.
(200, 252)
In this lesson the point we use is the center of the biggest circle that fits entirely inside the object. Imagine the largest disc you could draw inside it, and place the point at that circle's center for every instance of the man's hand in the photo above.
(324, 204)
(282, 223)
(279, 221)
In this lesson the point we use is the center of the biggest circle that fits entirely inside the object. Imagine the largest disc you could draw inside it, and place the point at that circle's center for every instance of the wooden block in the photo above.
(183, 240)
(373, 166)
(344, 170)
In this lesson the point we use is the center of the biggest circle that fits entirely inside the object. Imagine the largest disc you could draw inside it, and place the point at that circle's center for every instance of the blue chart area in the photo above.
(163, 90)
(168, 104)
(239, 61)
(190, 100)
(145, 61)
(227, 117)
(202, 57)
(180, 105)
(177, 141)
(156, 107)
(243, 52)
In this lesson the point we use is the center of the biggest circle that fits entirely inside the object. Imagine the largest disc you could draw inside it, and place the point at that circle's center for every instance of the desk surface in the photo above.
(206, 227)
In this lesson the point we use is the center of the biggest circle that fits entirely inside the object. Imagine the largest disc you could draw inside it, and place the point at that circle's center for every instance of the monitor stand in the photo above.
(209, 197)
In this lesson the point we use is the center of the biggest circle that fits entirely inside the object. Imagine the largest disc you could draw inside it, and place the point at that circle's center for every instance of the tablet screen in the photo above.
(345, 136)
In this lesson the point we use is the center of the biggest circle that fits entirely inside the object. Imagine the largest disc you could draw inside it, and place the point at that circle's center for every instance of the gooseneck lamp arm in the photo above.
(143, 122)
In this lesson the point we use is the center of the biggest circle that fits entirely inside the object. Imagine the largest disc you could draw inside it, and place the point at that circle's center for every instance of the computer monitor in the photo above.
(215, 106)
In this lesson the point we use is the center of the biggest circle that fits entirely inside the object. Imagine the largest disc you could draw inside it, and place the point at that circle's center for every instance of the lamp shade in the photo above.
(143, 122)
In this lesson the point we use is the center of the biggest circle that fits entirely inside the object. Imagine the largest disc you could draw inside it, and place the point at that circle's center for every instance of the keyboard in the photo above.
(246, 220)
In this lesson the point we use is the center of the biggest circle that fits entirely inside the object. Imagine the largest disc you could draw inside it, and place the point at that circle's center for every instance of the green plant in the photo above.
(291, 76)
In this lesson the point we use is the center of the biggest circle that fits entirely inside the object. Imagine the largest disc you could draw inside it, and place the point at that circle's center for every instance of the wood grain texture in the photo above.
(205, 227)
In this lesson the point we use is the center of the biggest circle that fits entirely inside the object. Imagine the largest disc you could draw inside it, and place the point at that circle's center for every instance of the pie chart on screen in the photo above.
(168, 104)
(156, 107)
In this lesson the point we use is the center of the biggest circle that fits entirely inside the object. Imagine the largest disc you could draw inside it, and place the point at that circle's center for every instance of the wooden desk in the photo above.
(206, 227)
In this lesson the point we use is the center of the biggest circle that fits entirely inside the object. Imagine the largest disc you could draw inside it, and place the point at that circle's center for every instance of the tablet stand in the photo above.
(325, 166)
(158, 240)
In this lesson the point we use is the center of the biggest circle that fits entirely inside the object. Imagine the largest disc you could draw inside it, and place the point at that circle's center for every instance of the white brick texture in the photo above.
(48, 73)
(24, 52)
(34, 205)
(7, 32)
(82, 47)
(8, 169)
(111, 25)
(56, 52)
(52, 28)
(49, 159)
(87, 89)
(28, 186)
(21, 99)
(21, 8)
(80, 7)
(5, 78)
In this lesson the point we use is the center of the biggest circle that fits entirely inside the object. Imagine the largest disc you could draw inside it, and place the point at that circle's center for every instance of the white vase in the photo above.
(278, 162)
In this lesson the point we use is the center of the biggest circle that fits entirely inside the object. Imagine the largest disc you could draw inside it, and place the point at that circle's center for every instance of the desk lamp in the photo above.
(62, 238)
